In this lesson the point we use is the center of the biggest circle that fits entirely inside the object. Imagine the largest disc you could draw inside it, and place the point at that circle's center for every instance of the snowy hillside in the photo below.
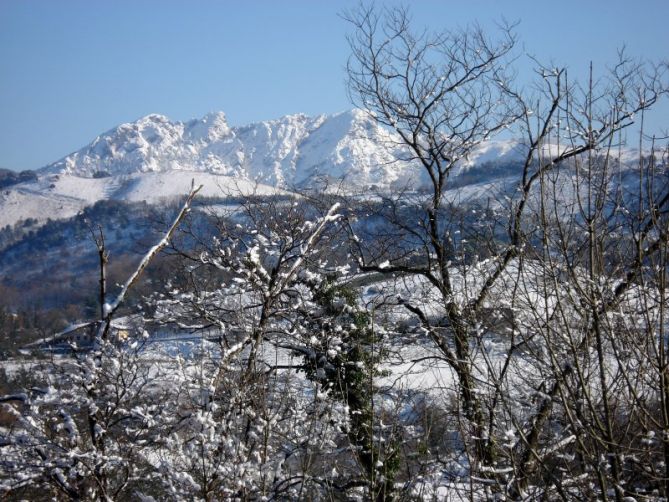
(58, 196)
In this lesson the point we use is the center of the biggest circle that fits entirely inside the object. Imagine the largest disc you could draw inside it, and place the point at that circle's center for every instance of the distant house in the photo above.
(82, 336)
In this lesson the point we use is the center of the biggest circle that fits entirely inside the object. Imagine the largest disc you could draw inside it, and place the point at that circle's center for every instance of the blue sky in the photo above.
(70, 70)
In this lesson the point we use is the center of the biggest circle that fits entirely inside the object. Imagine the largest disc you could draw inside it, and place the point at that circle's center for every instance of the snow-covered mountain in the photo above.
(286, 152)
(154, 158)
(294, 150)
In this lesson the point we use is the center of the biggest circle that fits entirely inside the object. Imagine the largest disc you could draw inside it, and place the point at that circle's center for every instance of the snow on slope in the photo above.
(21, 203)
(150, 144)
(353, 148)
(154, 187)
(498, 151)
(63, 196)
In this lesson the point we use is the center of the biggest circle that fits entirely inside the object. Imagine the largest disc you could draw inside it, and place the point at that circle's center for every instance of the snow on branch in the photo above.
(330, 216)
(110, 308)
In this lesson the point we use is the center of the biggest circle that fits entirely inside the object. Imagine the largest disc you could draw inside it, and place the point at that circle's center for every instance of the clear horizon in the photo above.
(72, 70)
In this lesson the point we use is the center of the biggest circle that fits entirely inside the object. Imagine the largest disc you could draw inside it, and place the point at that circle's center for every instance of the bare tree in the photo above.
(438, 92)
(443, 94)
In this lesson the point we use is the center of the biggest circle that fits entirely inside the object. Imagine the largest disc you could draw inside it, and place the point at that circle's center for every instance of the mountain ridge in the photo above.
(290, 151)
(281, 152)
(155, 158)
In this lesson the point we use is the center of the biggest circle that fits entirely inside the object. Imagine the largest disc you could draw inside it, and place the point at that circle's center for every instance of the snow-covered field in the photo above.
(63, 196)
